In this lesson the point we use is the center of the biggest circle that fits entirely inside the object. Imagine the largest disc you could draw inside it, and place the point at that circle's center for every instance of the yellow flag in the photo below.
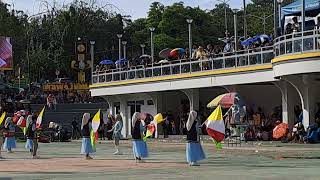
(2, 117)
(96, 121)
(40, 117)
(158, 118)
(216, 114)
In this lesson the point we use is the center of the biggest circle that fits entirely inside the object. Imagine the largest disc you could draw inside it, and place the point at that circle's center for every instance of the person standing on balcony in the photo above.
(296, 25)
(139, 146)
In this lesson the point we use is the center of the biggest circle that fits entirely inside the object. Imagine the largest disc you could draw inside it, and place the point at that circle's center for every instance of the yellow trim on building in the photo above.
(296, 56)
(182, 76)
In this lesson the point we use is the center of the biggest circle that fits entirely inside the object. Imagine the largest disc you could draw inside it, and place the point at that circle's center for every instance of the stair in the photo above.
(65, 113)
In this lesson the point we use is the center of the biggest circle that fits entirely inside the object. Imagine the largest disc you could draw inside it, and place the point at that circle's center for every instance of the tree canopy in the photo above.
(50, 37)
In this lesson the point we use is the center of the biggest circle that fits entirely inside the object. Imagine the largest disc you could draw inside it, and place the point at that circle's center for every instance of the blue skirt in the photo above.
(140, 148)
(86, 147)
(9, 143)
(29, 144)
(194, 152)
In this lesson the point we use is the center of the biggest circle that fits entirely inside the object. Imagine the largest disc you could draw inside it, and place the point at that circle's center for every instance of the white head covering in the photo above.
(85, 119)
(8, 122)
(192, 117)
(135, 117)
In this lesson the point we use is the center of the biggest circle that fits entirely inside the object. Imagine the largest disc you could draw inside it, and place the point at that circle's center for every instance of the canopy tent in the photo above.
(312, 8)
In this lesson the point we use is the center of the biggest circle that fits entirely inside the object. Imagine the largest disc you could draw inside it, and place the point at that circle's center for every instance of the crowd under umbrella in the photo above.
(177, 52)
(121, 61)
(106, 62)
(165, 53)
(256, 39)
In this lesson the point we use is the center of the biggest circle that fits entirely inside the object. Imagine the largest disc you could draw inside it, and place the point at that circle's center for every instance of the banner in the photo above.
(65, 86)
(6, 60)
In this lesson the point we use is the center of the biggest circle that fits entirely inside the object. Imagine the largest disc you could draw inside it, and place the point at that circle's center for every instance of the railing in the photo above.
(297, 42)
(245, 58)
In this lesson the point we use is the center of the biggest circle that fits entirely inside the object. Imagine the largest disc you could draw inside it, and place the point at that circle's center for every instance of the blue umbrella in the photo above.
(106, 62)
(121, 61)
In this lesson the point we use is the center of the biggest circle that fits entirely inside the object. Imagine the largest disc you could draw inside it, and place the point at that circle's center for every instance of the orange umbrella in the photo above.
(280, 131)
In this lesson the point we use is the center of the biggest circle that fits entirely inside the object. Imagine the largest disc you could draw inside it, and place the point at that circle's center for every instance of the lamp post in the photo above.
(151, 41)
(189, 21)
(119, 37)
(124, 43)
(92, 43)
(264, 18)
(225, 14)
(303, 16)
(235, 30)
(142, 48)
(279, 11)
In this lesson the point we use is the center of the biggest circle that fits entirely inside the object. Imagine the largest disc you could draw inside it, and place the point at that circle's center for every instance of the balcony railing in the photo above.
(245, 58)
(297, 42)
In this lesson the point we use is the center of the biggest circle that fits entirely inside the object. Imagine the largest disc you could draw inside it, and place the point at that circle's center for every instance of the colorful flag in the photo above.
(22, 122)
(94, 138)
(96, 121)
(2, 117)
(39, 119)
(150, 130)
(158, 118)
(215, 125)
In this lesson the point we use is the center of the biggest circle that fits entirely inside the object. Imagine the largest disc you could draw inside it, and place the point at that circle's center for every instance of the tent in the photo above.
(312, 8)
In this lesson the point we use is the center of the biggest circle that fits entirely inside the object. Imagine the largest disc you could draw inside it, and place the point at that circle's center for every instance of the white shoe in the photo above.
(194, 164)
(116, 153)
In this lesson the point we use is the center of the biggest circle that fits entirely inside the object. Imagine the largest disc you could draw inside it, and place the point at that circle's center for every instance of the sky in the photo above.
(135, 8)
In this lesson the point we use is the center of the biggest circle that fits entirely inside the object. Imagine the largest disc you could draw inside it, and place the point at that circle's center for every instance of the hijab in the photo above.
(8, 122)
(192, 117)
(135, 118)
(85, 119)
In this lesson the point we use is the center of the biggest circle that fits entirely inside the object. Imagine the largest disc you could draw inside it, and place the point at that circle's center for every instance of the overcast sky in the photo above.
(134, 8)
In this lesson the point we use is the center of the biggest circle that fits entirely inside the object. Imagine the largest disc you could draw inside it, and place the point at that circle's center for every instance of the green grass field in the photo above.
(166, 161)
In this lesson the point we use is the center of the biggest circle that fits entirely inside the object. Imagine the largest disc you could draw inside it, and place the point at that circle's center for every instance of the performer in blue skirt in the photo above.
(10, 140)
(32, 138)
(86, 147)
(194, 151)
(139, 147)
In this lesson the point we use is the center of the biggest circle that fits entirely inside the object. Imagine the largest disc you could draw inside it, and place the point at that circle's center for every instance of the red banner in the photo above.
(6, 62)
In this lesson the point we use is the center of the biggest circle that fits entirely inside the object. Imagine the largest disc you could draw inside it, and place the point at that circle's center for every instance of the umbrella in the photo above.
(145, 56)
(225, 100)
(121, 61)
(106, 62)
(176, 52)
(264, 38)
(280, 130)
(163, 61)
(25, 101)
(165, 53)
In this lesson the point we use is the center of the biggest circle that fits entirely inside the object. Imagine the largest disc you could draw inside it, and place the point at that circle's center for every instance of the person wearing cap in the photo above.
(194, 151)
(9, 133)
(117, 128)
(139, 146)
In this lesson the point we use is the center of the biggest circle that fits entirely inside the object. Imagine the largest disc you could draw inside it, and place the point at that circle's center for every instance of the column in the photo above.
(304, 85)
(288, 102)
(193, 96)
(126, 130)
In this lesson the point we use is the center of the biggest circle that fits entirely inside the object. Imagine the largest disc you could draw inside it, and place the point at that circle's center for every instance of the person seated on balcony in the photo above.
(296, 25)
(186, 54)
(289, 28)
(194, 51)
(201, 54)
(209, 50)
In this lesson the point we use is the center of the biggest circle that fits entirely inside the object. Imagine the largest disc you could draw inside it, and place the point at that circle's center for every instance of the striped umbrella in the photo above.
(225, 100)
